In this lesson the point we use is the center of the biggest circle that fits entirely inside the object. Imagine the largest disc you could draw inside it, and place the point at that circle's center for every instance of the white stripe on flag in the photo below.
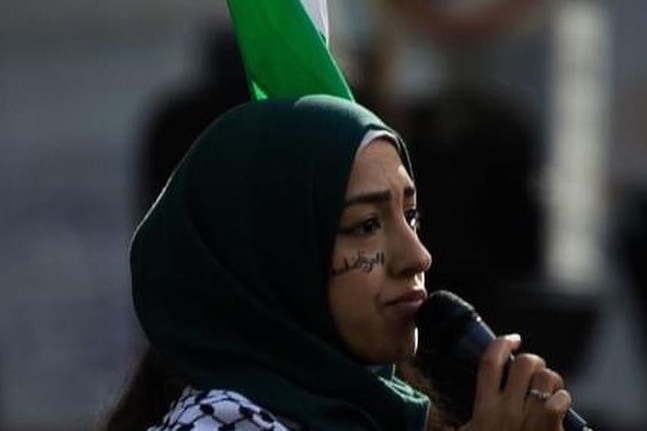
(318, 12)
(284, 48)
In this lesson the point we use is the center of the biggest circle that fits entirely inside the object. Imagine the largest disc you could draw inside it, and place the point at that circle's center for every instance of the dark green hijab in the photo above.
(230, 267)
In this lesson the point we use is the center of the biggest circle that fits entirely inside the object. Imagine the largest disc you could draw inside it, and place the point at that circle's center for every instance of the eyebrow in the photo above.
(376, 197)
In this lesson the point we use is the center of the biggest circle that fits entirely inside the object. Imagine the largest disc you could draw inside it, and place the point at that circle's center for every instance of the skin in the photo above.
(373, 309)
(377, 284)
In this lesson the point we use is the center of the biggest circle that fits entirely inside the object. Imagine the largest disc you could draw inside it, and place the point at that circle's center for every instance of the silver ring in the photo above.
(539, 394)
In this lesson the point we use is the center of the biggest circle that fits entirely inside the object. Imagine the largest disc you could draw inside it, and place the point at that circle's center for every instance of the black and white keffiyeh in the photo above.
(217, 410)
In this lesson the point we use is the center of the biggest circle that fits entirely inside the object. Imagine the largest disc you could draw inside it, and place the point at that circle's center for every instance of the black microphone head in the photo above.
(442, 322)
(441, 319)
(440, 307)
(450, 339)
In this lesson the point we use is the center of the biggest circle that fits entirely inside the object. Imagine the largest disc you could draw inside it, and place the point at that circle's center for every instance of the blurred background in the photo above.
(527, 120)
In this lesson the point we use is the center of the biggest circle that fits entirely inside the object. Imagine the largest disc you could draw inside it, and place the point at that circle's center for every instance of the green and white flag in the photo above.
(284, 46)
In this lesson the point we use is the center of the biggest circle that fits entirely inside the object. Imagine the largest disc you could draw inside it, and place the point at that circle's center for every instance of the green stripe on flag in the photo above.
(283, 53)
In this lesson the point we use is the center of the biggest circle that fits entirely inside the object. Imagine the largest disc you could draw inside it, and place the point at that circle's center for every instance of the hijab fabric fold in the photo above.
(230, 266)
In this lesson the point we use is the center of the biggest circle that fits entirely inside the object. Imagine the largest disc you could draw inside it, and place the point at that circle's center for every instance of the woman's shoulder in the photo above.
(217, 410)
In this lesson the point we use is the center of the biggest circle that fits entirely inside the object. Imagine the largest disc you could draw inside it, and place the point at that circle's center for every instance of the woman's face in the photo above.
(378, 263)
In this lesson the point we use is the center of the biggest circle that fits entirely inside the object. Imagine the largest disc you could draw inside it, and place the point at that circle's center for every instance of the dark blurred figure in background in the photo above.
(477, 161)
(630, 189)
(633, 243)
(182, 116)
(478, 156)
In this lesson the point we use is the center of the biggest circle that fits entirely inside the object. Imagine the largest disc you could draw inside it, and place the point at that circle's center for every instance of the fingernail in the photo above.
(513, 337)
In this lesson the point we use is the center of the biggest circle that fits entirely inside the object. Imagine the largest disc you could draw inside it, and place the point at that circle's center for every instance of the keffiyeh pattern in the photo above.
(217, 410)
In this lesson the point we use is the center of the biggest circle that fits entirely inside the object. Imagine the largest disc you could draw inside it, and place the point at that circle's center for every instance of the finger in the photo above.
(491, 367)
(555, 409)
(522, 370)
(547, 380)
(547, 411)
(544, 383)
(544, 380)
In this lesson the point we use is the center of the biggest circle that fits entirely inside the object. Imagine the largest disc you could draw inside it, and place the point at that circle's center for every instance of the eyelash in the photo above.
(414, 218)
(370, 225)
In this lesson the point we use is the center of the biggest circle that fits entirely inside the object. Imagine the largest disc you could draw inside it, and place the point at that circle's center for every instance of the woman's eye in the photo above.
(364, 228)
(413, 218)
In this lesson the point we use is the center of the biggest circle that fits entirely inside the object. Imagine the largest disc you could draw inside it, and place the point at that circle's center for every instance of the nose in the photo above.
(407, 256)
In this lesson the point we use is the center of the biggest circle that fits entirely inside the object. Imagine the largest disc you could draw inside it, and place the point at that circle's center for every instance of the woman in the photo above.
(279, 272)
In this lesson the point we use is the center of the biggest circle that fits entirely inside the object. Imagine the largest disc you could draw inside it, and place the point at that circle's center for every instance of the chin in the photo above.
(408, 346)
(399, 349)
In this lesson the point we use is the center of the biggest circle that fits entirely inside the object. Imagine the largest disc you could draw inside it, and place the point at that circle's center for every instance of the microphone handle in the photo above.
(574, 422)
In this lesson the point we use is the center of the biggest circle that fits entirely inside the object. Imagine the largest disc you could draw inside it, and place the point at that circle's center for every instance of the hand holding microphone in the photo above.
(483, 382)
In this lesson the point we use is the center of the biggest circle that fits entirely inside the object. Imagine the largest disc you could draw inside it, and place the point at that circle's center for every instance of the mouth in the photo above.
(407, 304)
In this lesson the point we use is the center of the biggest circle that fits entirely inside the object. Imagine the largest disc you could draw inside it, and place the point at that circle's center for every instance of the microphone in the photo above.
(452, 337)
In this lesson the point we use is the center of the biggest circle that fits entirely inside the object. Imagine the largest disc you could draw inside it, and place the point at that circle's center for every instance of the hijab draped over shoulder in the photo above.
(230, 267)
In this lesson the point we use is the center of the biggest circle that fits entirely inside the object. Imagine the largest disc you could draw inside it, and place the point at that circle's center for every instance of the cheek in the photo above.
(353, 299)
(354, 294)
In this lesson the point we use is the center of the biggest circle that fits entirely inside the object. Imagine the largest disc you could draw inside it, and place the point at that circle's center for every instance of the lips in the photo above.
(407, 304)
